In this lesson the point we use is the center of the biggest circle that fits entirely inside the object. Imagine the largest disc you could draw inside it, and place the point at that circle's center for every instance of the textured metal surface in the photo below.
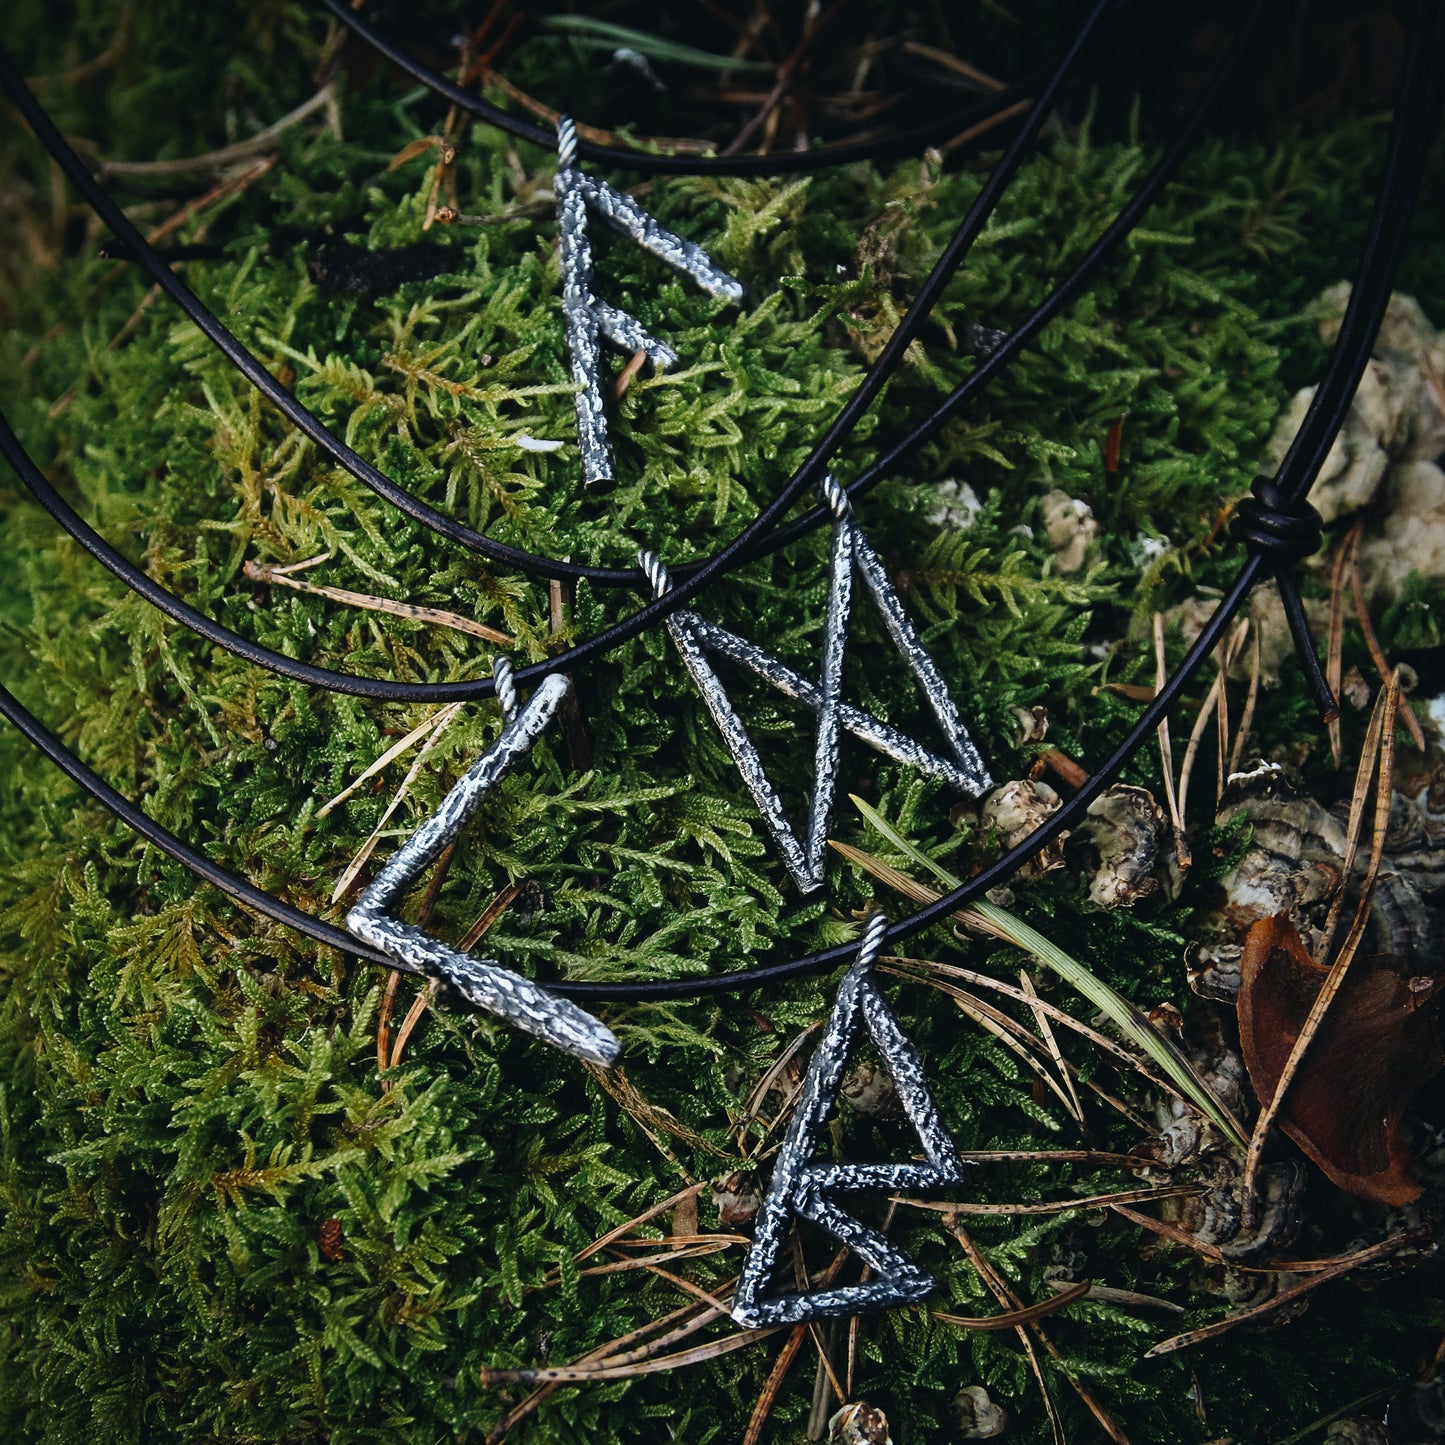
(799, 1188)
(588, 320)
(487, 984)
(694, 637)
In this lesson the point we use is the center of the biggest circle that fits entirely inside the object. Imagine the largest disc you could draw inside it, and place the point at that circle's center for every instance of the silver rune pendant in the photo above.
(518, 1000)
(695, 637)
(799, 1188)
(587, 318)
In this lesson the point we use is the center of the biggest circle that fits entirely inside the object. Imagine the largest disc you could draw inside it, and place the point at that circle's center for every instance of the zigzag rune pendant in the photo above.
(694, 637)
(800, 1188)
(518, 1000)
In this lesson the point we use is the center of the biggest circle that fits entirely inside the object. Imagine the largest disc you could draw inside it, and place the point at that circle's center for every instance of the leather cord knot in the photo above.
(1280, 531)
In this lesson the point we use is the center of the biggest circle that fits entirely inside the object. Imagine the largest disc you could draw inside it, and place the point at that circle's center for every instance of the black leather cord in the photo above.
(690, 578)
(1384, 243)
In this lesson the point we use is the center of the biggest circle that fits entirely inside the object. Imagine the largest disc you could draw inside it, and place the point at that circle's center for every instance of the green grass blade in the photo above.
(604, 32)
(1131, 1024)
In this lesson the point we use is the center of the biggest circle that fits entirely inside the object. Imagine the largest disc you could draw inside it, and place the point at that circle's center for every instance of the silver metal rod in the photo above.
(518, 1000)
(587, 320)
(800, 1188)
(624, 214)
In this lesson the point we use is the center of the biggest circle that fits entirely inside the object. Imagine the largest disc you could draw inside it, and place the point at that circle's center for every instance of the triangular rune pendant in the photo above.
(801, 1188)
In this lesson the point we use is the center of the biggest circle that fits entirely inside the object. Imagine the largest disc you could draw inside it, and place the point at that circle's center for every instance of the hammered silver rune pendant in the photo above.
(587, 319)
(695, 637)
(801, 1189)
(518, 1000)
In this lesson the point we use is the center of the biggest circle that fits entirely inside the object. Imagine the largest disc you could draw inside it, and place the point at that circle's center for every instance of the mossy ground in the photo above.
(189, 1095)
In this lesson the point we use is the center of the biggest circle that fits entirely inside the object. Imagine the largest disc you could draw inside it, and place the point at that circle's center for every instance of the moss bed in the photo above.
(215, 1221)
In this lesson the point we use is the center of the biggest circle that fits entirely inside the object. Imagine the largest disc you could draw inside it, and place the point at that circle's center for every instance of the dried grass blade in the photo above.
(1041, 1005)
(1334, 655)
(764, 1084)
(1009, 1032)
(1166, 755)
(437, 616)
(651, 1212)
(436, 720)
(1246, 721)
(1041, 1018)
(1009, 1301)
(489, 915)
(1377, 655)
(769, 1393)
(1015, 1318)
(413, 1017)
(441, 723)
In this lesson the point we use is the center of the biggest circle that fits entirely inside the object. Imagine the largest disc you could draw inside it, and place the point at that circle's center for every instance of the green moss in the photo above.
(189, 1095)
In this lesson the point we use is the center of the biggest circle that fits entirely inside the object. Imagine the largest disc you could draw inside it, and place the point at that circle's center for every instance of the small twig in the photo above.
(1063, 766)
(625, 377)
(438, 617)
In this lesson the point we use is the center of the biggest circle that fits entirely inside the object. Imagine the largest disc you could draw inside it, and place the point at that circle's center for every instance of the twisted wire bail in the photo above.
(835, 497)
(566, 142)
(655, 572)
(506, 687)
(873, 933)
(1282, 531)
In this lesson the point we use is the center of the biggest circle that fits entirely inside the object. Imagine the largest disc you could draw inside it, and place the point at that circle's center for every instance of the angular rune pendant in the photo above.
(518, 1000)
(800, 1188)
(695, 637)
(587, 318)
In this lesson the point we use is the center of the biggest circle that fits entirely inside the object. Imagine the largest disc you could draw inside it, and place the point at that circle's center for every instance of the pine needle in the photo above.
(1369, 1255)
(436, 616)
(1015, 1318)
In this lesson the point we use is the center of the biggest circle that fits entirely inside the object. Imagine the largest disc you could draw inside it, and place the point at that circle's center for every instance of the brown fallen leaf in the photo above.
(1375, 1048)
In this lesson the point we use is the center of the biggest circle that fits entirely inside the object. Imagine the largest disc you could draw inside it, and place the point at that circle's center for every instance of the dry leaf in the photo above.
(1375, 1048)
